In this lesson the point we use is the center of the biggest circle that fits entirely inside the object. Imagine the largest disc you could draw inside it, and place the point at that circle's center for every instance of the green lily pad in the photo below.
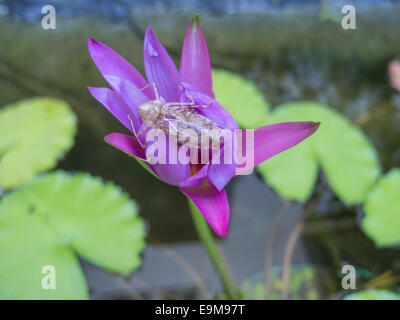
(34, 134)
(241, 97)
(26, 246)
(51, 220)
(373, 294)
(344, 153)
(382, 208)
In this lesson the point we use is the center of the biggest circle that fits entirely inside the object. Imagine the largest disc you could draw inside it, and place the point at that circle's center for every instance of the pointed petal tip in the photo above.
(316, 125)
(213, 204)
(92, 90)
(92, 43)
(150, 42)
(220, 229)
(108, 137)
(310, 126)
(195, 67)
(149, 30)
(126, 143)
(195, 20)
(222, 233)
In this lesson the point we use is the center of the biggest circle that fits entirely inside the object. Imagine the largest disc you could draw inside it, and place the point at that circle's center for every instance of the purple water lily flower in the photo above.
(202, 183)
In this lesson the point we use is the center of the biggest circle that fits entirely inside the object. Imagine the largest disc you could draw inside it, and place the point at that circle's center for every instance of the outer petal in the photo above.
(131, 95)
(213, 204)
(160, 68)
(132, 147)
(195, 67)
(273, 139)
(111, 63)
(115, 104)
(126, 143)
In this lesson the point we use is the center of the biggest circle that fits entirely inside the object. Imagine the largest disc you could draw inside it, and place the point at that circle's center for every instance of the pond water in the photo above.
(290, 52)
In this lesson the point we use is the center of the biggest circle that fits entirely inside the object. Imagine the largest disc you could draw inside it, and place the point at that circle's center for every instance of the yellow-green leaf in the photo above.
(34, 133)
(55, 217)
(382, 211)
(373, 294)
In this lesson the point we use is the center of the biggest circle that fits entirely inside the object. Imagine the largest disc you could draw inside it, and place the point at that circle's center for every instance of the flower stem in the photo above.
(213, 252)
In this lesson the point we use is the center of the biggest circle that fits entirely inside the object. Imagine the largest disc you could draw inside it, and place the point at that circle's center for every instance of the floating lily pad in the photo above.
(35, 133)
(344, 153)
(55, 217)
(241, 97)
(28, 244)
(373, 294)
(382, 211)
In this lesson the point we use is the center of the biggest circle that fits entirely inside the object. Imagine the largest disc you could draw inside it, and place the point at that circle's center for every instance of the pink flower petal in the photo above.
(110, 63)
(115, 105)
(126, 143)
(198, 179)
(132, 147)
(275, 138)
(213, 204)
(131, 95)
(195, 67)
(221, 174)
(171, 172)
(160, 68)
